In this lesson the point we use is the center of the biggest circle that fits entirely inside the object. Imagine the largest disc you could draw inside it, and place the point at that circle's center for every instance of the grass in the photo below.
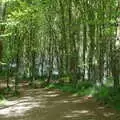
(107, 95)
(2, 100)
(8, 92)
(110, 96)
(81, 89)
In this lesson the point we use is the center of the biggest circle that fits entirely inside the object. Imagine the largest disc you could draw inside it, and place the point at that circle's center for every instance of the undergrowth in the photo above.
(107, 95)
(82, 88)
(110, 96)
(8, 92)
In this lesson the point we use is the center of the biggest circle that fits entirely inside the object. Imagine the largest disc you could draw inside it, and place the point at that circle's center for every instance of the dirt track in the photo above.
(42, 104)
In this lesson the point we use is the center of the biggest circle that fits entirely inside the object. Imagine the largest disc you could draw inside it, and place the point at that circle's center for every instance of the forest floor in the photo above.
(43, 104)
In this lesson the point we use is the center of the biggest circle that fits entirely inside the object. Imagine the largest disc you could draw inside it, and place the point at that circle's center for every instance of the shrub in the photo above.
(109, 96)
(1, 97)
(84, 85)
(102, 94)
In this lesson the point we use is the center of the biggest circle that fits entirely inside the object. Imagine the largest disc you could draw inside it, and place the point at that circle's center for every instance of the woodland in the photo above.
(67, 45)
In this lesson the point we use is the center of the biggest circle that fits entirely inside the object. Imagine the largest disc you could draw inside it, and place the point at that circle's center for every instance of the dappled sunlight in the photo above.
(78, 101)
(73, 101)
(53, 95)
(32, 99)
(103, 112)
(79, 113)
(18, 110)
(101, 108)
(40, 104)
(51, 92)
(109, 114)
(61, 101)
(21, 106)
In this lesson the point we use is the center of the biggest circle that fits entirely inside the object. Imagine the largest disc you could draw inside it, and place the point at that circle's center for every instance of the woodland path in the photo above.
(41, 104)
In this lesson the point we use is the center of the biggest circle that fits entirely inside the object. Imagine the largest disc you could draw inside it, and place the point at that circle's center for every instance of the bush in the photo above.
(102, 94)
(65, 79)
(1, 97)
(69, 88)
(109, 95)
(84, 85)
(65, 88)
(51, 86)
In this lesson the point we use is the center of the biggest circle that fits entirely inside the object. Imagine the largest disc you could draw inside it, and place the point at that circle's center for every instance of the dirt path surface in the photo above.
(41, 104)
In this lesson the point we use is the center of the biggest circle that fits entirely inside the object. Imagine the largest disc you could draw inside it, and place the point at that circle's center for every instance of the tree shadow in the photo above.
(40, 104)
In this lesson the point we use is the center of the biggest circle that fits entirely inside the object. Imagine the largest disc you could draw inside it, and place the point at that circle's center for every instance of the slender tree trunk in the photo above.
(17, 71)
(84, 50)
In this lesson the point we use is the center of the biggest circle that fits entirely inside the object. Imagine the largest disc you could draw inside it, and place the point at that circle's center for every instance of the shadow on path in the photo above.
(41, 104)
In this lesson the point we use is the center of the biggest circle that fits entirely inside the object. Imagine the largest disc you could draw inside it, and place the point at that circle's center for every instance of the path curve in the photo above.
(41, 104)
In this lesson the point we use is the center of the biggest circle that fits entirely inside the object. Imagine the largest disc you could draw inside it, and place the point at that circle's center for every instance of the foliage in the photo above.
(109, 96)
(83, 89)
(106, 95)
(2, 100)
(74, 42)
(64, 88)
(84, 85)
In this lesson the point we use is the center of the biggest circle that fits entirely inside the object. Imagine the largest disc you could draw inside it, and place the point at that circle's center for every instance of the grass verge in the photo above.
(107, 95)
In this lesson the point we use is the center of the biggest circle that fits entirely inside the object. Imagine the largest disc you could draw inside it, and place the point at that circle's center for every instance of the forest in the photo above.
(60, 47)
